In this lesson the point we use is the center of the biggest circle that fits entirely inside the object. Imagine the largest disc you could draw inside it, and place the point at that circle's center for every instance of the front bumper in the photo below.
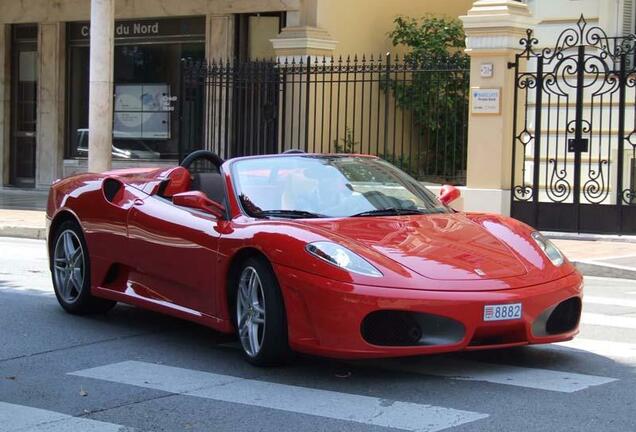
(325, 317)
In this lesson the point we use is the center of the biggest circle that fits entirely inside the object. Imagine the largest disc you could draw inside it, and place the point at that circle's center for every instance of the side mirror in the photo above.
(198, 200)
(448, 194)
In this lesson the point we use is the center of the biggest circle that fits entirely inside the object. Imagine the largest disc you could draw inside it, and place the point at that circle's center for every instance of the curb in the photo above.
(589, 237)
(592, 269)
(26, 232)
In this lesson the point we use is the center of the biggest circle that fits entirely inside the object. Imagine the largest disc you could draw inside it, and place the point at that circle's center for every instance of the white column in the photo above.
(100, 94)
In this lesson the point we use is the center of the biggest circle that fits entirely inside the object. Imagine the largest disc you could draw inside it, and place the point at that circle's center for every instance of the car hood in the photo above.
(436, 246)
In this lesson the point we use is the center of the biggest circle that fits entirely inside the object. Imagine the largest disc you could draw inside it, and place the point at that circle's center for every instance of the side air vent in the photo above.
(565, 317)
(111, 187)
(560, 318)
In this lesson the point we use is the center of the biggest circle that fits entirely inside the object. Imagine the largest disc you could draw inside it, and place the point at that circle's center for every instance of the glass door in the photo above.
(24, 80)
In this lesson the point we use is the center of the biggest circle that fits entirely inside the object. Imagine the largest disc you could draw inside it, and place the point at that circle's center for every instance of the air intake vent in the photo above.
(111, 187)
(403, 328)
(564, 317)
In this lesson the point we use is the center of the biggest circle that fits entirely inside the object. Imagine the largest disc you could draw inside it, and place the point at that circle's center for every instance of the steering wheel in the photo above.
(211, 157)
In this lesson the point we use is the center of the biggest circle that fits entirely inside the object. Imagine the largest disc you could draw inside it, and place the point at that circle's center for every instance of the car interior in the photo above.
(183, 178)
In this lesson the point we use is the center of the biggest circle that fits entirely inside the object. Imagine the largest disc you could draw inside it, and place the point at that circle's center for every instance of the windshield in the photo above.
(328, 186)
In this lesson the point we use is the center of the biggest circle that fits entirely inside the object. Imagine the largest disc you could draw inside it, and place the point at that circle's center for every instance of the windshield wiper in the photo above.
(392, 211)
(293, 214)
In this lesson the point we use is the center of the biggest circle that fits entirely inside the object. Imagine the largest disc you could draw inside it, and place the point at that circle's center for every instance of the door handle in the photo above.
(138, 201)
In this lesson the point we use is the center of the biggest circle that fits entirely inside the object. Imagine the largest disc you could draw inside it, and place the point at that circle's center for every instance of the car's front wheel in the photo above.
(70, 268)
(260, 315)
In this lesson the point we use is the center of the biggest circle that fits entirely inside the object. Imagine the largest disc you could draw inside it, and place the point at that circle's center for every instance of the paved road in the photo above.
(135, 370)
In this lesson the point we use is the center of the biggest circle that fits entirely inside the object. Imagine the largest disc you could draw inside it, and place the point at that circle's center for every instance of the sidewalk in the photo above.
(23, 199)
(612, 258)
(22, 223)
(22, 213)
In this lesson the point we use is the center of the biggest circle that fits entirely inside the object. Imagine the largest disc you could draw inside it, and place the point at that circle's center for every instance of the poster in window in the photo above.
(127, 125)
(142, 111)
(154, 97)
(155, 125)
(128, 97)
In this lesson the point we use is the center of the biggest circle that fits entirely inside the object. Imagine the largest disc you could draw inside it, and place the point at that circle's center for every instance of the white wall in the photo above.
(556, 15)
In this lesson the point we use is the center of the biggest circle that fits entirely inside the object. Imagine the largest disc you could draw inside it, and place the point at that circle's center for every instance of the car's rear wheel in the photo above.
(70, 269)
(260, 315)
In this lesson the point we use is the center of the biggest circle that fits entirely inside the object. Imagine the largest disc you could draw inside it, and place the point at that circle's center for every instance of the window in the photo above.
(24, 85)
(627, 24)
(147, 103)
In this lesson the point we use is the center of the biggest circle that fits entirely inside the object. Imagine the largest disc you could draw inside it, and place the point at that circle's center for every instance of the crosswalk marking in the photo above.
(608, 320)
(20, 418)
(541, 379)
(615, 350)
(610, 301)
(324, 403)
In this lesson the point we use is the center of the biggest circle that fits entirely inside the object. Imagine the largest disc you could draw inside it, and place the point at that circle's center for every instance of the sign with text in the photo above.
(145, 28)
(485, 100)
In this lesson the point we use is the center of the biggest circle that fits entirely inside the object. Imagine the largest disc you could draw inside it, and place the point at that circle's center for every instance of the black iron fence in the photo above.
(413, 115)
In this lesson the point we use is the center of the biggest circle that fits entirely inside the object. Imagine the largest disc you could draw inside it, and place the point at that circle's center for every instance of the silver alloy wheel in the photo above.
(250, 311)
(68, 266)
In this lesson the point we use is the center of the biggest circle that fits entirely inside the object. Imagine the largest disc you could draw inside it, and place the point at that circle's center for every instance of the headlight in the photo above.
(548, 248)
(342, 257)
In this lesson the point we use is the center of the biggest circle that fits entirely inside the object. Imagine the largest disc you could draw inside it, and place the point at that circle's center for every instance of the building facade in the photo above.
(44, 78)
(47, 94)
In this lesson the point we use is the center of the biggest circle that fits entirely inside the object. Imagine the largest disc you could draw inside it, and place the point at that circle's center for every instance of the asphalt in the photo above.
(151, 373)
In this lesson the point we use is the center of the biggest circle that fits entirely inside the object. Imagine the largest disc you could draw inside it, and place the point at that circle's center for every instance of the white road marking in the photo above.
(541, 379)
(608, 320)
(14, 418)
(341, 406)
(614, 350)
(610, 279)
(611, 301)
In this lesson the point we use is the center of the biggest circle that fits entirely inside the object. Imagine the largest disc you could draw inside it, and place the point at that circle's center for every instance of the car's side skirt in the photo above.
(168, 308)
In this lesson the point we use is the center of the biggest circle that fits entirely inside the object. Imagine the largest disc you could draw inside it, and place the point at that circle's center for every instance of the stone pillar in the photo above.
(493, 30)
(100, 94)
(303, 35)
(220, 37)
(301, 41)
(219, 48)
(50, 131)
(5, 92)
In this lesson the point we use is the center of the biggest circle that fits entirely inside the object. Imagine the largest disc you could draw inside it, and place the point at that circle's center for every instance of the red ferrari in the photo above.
(336, 255)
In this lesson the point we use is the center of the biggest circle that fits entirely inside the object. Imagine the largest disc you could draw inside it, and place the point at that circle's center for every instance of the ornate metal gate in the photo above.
(574, 133)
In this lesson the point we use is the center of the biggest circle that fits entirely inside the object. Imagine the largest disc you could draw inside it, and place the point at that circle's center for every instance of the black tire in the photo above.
(274, 349)
(82, 301)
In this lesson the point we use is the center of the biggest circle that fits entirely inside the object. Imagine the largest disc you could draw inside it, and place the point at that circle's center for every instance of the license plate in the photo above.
(502, 312)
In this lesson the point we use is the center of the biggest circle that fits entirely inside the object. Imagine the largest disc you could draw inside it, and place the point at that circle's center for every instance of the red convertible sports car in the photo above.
(336, 255)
